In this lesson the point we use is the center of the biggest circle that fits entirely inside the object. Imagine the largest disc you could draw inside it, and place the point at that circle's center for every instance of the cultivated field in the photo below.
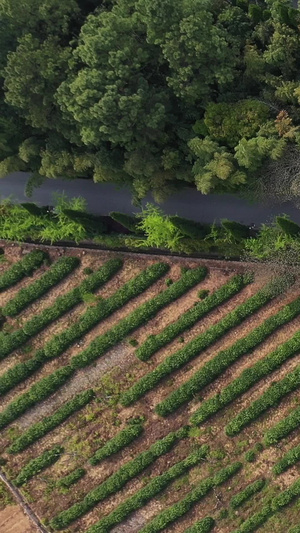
(143, 393)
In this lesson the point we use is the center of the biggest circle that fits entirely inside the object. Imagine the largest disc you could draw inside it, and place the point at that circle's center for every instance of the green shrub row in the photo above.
(38, 392)
(117, 480)
(38, 430)
(270, 398)
(22, 268)
(176, 511)
(60, 342)
(48, 458)
(66, 481)
(144, 495)
(247, 379)
(117, 443)
(203, 526)
(63, 304)
(154, 342)
(56, 273)
(289, 459)
(277, 503)
(247, 493)
(192, 349)
(283, 428)
(137, 318)
(225, 358)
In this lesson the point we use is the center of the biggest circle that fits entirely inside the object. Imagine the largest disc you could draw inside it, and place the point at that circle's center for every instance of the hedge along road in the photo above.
(105, 197)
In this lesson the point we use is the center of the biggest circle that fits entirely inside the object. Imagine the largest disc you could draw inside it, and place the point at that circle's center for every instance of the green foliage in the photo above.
(289, 459)
(158, 229)
(250, 456)
(38, 430)
(203, 293)
(72, 478)
(117, 443)
(34, 209)
(62, 304)
(56, 273)
(154, 342)
(283, 428)
(31, 469)
(236, 230)
(189, 228)
(128, 221)
(192, 349)
(255, 373)
(152, 489)
(117, 480)
(92, 224)
(288, 226)
(247, 493)
(271, 398)
(26, 266)
(174, 512)
(202, 526)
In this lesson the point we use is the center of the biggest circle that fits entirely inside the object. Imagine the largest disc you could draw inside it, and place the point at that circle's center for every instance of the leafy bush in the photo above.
(38, 430)
(283, 428)
(117, 443)
(117, 480)
(144, 495)
(190, 228)
(48, 458)
(236, 230)
(22, 268)
(250, 456)
(270, 398)
(192, 350)
(289, 227)
(203, 526)
(56, 273)
(247, 493)
(62, 304)
(255, 373)
(154, 342)
(38, 392)
(71, 478)
(174, 512)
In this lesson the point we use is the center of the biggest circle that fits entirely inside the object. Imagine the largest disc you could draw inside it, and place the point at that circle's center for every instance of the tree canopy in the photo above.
(154, 94)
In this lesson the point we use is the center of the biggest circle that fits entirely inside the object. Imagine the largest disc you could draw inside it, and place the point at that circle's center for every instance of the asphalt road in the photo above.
(103, 198)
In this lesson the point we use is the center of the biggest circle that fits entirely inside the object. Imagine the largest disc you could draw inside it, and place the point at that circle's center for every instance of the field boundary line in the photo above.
(23, 503)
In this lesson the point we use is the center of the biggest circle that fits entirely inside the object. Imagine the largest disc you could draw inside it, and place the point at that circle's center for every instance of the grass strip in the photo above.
(26, 266)
(54, 275)
(203, 526)
(193, 348)
(243, 496)
(154, 342)
(270, 398)
(117, 480)
(179, 509)
(117, 443)
(278, 502)
(283, 428)
(63, 304)
(225, 358)
(144, 495)
(42, 428)
(31, 469)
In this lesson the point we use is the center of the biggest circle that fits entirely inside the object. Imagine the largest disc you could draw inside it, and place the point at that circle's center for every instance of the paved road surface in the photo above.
(103, 198)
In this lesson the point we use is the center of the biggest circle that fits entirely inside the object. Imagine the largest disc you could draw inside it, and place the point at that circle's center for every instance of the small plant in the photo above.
(89, 298)
(88, 271)
(203, 293)
(133, 342)
(250, 456)
(169, 282)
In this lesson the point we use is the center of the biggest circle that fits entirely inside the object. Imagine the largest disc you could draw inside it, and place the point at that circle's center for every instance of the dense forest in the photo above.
(153, 94)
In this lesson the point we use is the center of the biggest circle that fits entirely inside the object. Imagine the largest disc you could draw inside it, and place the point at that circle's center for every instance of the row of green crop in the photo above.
(270, 398)
(48, 458)
(283, 428)
(70, 479)
(22, 268)
(117, 443)
(144, 495)
(201, 342)
(179, 509)
(99, 346)
(117, 480)
(55, 274)
(63, 304)
(247, 493)
(225, 358)
(56, 346)
(249, 377)
(278, 502)
(289, 459)
(154, 342)
(40, 429)
(203, 526)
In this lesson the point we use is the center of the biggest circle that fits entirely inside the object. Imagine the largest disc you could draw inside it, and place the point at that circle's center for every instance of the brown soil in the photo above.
(13, 520)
